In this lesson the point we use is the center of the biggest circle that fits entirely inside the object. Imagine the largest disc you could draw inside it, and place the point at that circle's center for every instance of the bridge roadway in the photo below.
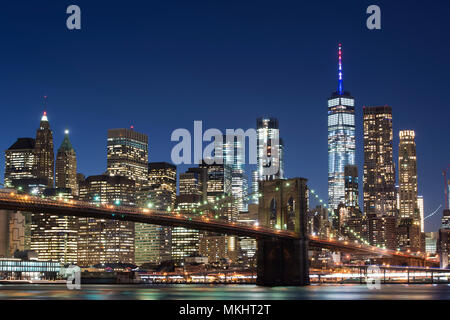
(67, 207)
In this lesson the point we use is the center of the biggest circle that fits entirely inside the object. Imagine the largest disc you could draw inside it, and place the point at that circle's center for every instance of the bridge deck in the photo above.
(66, 207)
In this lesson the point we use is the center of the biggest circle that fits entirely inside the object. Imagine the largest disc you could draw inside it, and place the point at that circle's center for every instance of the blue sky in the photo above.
(160, 65)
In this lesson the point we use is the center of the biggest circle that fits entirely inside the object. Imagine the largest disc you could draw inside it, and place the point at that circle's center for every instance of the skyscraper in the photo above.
(102, 240)
(55, 237)
(234, 157)
(341, 139)
(379, 172)
(66, 166)
(193, 187)
(20, 172)
(45, 157)
(127, 155)
(270, 153)
(153, 243)
(20, 161)
(407, 173)
(420, 204)
(163, 176)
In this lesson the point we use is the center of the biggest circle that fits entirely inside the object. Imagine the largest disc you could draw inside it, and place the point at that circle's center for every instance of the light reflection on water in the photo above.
(225, 292)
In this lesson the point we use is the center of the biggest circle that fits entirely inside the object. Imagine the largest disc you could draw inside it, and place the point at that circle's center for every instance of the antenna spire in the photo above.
(340, 83)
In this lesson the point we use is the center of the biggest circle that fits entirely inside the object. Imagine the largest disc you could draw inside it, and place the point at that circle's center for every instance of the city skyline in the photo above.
(298, 93)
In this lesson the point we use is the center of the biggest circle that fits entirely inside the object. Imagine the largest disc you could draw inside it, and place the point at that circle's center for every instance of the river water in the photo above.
(225, 292)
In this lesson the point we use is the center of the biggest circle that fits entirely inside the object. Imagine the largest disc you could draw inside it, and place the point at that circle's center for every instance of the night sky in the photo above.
(160, 65)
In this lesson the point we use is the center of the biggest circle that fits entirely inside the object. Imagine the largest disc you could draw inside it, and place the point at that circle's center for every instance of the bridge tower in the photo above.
(283, 206)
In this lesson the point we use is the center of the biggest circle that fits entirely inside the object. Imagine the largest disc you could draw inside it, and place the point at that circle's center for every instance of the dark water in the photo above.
(224, 292)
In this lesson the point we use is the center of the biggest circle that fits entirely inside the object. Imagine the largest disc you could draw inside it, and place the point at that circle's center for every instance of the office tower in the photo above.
(44, 151)
(102, 240)
(409, 236)
(443, 245)
(20, 161)
(253, 197)
(54, 237)
(270, 152)
(445, 219)
(407, 172)
(341, 139)
(153, 243)
(247, 245)
(163, 176)
(192, 188)
(127, 155)
(318, 223)
(193, 182)
(431, 242)
(66, 166)
(379, 172)
(351, 187)
(218, 180)
(421, 213)
(382, 231)
(234, 157)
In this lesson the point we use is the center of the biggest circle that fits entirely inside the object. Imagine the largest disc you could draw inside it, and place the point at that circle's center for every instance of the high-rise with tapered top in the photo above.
(45, 157)
(66, 166)
(341, 138)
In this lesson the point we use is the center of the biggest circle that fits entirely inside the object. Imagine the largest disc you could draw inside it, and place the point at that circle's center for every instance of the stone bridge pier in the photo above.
(283, 205)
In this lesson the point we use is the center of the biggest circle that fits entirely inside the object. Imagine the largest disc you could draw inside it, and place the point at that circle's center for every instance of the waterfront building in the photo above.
(103, 240)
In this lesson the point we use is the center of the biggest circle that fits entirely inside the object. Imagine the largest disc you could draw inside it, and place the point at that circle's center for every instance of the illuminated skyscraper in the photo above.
(45, 158)
(153, 243)
(407, 175)
(193, 187)
(20, 172)
(54, 237)
(341, 139)
(128, 155)
(66, 166)
(351, 187)
(379, 172)
(163, 176)
(20, 161)
(420, 204)
(103, 240)
(219, 186)
(234, 156)
(270, 153)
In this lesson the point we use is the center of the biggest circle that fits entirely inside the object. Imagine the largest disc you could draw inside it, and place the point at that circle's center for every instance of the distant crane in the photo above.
(444, 173)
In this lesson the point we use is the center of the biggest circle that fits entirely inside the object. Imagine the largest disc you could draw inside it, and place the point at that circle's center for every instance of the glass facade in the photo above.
(341, 144)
